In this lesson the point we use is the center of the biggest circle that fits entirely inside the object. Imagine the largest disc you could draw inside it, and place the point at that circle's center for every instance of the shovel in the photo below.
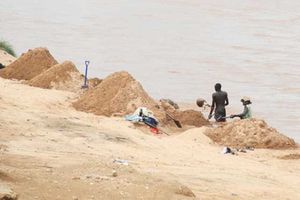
(178, 124)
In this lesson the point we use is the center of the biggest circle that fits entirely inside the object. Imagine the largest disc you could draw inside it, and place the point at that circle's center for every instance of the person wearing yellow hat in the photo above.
(247, 109)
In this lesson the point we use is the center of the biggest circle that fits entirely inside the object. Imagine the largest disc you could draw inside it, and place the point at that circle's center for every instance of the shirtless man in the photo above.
(219, 101)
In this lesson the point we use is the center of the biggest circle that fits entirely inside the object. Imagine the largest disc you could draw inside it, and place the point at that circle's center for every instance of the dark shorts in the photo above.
(220, 115)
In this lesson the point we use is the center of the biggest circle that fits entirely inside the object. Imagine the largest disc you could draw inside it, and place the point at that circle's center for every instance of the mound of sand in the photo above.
(119, 93)
(29, 65)
(5, 58)
(186, 117)
(63, 76)
(191, 118)
(93, 82)
(249, 133)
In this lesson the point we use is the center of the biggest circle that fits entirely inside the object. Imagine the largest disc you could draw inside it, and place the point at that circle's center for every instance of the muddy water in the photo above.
(177, 49)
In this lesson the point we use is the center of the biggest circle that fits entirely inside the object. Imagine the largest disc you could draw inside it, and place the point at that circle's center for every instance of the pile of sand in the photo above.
(119, 93)
(186, 117)
(5, 58)
(29, 65)
(249, 133)
(64, 76)
(93, 82)
(191, 118)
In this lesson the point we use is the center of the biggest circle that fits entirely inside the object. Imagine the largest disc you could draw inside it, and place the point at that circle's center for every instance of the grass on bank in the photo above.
(4, 45)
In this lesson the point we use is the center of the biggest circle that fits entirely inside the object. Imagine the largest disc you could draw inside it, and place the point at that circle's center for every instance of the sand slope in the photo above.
(5, 58)
(250, 133)
(51, 151)
(64, 76)
(118, 93)
(29, 65)
(186, 117)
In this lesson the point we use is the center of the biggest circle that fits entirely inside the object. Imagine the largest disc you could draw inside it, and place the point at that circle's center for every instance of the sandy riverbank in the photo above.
(51, 151)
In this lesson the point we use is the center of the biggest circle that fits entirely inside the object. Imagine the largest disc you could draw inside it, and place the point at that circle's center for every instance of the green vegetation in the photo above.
(7, 47)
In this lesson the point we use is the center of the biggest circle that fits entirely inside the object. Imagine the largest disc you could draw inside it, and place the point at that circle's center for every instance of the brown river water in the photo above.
(176, 49)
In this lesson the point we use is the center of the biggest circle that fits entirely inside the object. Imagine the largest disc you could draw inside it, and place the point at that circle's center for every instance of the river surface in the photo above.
(177, 49)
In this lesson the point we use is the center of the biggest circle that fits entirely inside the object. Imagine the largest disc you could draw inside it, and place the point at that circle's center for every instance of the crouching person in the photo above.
(246, 114)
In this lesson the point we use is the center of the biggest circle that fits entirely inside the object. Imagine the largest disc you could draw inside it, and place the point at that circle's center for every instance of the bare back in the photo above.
(220, 100)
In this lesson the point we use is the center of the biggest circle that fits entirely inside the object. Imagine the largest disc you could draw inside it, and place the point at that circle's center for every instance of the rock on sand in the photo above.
(6, 193)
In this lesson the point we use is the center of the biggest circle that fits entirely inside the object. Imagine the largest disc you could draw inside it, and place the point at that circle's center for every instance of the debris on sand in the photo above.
(249, 133)
(227, 150)
(64, 76)
(121, 162)
(185, 191)
(29, 65)
(6, 193)
(170, 102)
(114, 173)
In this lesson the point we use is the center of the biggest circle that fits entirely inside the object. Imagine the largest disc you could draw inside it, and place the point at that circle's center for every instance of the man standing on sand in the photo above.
(219, 101)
